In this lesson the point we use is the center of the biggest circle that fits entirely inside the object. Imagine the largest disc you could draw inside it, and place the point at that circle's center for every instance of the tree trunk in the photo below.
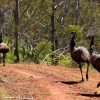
(56, 47)
(16, 53)
(52, 32)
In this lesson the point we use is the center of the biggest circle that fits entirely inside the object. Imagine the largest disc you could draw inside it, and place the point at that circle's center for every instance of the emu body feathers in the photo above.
(4, 49)
(82, 55)
(94, 56)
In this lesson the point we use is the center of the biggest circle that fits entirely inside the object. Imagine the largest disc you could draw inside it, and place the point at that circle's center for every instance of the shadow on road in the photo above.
(90, 95)
(70, 82)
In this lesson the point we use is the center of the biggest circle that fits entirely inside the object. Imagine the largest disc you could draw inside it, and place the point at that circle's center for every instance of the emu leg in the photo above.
(87, 71)
(4, 56)
(98, 84)
(81, 71)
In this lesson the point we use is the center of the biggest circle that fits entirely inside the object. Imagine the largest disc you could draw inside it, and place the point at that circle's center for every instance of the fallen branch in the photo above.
(64, 50)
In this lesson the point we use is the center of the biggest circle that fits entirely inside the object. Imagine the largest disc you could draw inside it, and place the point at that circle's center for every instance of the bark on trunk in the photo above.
(16, 53)
(52, 32)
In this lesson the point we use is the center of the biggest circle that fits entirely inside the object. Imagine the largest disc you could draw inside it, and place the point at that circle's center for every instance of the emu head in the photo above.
(92, 46)
(73, 32)
(89, 36)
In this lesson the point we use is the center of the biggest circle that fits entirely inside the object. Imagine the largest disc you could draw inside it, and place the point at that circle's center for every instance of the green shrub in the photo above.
(42, 49)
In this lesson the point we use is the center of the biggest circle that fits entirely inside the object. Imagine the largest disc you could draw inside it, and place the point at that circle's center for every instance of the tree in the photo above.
(37, 20)
(16, 53)
(53, 31)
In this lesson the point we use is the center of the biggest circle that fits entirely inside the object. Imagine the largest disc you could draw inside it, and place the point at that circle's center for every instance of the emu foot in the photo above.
(95, 93)
(82, 80)
(98, 84)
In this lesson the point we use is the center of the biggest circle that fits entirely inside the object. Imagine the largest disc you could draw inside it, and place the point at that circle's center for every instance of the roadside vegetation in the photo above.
(42, 29)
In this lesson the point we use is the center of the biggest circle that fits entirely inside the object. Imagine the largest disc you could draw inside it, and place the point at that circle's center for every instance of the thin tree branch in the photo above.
(25, 11)
(67, 47)
(85, 14)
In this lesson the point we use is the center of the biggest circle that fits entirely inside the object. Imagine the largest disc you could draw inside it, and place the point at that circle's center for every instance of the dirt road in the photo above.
(42, 82)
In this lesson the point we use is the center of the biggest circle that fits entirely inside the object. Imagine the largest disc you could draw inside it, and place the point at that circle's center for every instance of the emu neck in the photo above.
(92, 41)
(92, 47)
(72, 42)
(1, 40)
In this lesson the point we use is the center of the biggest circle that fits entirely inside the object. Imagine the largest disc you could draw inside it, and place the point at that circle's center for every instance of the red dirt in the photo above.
(42, 82)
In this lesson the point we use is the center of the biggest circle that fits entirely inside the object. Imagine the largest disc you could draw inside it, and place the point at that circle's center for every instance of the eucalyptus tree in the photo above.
(16, 19)
(46, 20)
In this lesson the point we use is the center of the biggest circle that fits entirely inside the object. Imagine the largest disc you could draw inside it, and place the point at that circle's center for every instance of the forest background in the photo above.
(39, 30)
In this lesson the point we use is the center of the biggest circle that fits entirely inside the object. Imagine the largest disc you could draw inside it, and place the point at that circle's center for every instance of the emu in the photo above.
(79, 54)
(94, 56)
(3, 49)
